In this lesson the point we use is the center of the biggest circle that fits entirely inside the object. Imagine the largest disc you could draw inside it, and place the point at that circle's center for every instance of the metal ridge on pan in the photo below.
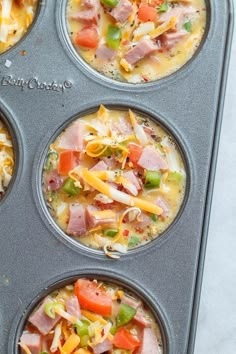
(188, 103)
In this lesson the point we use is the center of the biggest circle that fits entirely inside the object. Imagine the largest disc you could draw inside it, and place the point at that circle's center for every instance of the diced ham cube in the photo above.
(182, 13)
(144, 47)
(100, 166)
(122, 11)
(90, 4)
(141, 319)
(41, 321)
(86, 16)
(152, 160)
(131, 302)
(90, 14)
(164, 206)
(149, 344)
(103, 347)
(110, 162)
(32, 341)
(169, 40)
(96, 217)
(130, 176)
(52, 181)
(73, 307)
(105, 53)
(73, 137)
(122, 126)
(144, 221)
(77, 220)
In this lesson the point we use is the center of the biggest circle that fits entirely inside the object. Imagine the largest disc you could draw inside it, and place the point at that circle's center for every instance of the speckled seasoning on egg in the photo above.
(6, 159)
(91, 317)
(136, 41)
(114, 180)
(15, 18)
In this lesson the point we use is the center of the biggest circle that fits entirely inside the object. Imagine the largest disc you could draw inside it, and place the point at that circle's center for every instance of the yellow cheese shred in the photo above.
(119, 196)
(164, 27)
(71, 343)
(93, 317)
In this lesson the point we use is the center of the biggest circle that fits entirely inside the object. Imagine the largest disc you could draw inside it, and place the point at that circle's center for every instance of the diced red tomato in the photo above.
(135, 151)
(67, 161)
(93, 298)
(123, 339)
(88, 37)
(147, 13)
(126, 233)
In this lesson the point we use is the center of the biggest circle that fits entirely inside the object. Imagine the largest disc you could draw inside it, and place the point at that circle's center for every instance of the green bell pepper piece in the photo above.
(154, 217)
(70, 188)
(188, 26)
(110, 232)
(113, 37)
(152, 179)
(51, 161)
(110, 3)
(133, 241)
(113, 330)
(175, 177)
(164, 7)
(125, 315)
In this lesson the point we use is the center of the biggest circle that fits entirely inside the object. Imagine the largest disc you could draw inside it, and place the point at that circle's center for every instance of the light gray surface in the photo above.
(216, 331)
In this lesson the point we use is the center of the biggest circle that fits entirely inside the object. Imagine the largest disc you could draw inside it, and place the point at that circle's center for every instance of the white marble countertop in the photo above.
(216, 333)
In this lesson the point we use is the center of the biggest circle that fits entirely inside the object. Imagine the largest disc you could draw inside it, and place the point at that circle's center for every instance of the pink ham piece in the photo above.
(103, 347)
(87, 16)
(122, 126)
(169, 40)
(73, 137)
(139, 316)
(141, 319)
(144, 221)
(96, 217)
(149, 344)
(53, 181)
(122, 11)
(110, 162)
(163, 205)
(127, 300)
(73, 307)
(182, 13)
(100, 166)
(41, 321)
(90, 14)
(130, 176)
(77, 220)
(144, 47)
(105, 53)
(152, 160)
(90, 4)
(32, 341)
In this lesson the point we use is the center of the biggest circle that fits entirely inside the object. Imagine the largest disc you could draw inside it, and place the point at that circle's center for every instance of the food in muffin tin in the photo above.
(91, 316)
(114, 180)
(136, 41)
(6, 159)
(15, 18)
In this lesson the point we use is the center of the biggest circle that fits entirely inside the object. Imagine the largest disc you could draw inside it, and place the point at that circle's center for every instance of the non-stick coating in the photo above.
(49, 88)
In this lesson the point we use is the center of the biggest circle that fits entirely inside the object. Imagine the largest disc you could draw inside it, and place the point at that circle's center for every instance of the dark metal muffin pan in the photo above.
(39, 93)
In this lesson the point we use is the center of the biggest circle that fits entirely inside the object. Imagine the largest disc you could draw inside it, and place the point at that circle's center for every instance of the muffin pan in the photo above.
(39, 92)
